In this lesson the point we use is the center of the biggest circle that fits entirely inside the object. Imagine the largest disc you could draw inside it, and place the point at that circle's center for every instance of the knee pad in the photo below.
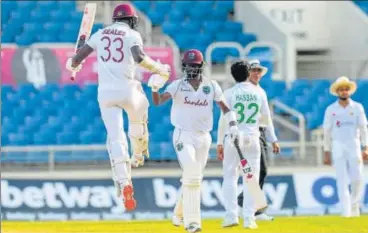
(138, 133)
(192, 176)
(118, 152)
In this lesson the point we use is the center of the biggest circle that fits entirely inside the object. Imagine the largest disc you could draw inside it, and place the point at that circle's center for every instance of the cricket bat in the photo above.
(253, 185)
(85, 28)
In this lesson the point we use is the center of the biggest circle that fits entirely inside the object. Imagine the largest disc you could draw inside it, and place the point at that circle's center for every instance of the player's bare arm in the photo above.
(159, 99)
(82, 54)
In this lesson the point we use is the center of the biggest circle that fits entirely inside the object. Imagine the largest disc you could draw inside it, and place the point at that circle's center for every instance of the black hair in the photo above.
(131, 21)
(240, 71)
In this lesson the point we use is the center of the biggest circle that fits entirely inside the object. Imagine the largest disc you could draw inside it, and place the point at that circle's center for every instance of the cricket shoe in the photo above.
(264, 217)
(230, 222)
(193, 227)
(177, 220)
(355, 211)
(250, 223)
(128, 195)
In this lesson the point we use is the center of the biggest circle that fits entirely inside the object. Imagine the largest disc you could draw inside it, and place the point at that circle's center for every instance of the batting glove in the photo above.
(69, 67)
(156, 82)
(234, 133)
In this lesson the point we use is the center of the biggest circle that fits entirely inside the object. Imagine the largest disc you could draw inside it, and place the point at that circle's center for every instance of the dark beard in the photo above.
(343, 98)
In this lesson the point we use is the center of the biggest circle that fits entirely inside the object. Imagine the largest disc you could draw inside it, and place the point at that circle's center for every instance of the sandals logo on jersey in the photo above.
(179, 146)
(206, 90)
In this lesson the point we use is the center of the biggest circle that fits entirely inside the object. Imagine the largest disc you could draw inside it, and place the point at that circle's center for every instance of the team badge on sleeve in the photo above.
(206, 90)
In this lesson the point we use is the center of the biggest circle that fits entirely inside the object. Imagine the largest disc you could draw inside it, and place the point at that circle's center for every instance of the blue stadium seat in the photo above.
(66, 6)
(19, 139)
(219, 14)
(176, 16)
(190, 26)
(33, 27)
(184, 40)
(25, 39)
(162, 7)
(224, 37)
(245, 38)
(67, 138)
(47, 5)
(170, 28)
(200, 13)
(13, 27)
(59, 16)
(204, 39)
(26, 4)
(212, 26)
(226, 5)
(8, 5)
(91, 137)
(183, 6)
(233, 27)
(39, 16)
(156, 17)
(76, 17)
(53, 27)
(96, 27)
(143, 6)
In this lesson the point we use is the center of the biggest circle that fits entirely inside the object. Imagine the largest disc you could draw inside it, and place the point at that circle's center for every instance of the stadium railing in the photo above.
(298, 129)
(277, 57)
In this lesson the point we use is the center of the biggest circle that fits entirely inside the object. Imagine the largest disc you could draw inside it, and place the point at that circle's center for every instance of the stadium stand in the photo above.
(49, 115)
(363, 5)
(27, 22)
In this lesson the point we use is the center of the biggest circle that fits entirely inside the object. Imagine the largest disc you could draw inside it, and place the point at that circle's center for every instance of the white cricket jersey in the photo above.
(249, 102)
(193, 110)
(344, 123)
(114, 58)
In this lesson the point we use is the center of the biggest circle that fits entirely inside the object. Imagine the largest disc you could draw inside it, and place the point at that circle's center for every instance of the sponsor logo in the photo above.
(200, 103)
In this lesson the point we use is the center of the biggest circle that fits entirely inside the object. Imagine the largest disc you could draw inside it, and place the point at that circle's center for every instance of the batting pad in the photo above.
(192, 177)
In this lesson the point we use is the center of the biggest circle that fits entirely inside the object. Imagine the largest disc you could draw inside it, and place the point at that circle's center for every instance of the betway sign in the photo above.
(156, 197)
(96, 199)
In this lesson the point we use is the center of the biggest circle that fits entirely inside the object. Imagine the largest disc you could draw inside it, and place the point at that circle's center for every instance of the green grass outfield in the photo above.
(325, 224)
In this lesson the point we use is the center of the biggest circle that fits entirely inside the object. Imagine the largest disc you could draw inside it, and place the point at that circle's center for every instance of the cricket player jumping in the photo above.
(344, 122)
(119, 48)
(250, 103)
(192, 116)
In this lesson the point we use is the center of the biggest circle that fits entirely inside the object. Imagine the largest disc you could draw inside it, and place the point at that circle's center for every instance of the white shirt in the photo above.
(344, 124)
(114, 58)
(193, 110)
(249, 102)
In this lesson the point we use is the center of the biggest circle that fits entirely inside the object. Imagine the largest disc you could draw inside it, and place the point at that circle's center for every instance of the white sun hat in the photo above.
(343, 82)
(255, 64)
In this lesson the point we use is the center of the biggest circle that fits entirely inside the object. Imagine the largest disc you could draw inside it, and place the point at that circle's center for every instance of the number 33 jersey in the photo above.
(249, 102)
(115, 61)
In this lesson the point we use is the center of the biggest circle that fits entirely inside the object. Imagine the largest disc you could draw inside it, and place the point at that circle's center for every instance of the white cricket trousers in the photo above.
(231, 169)
(192, 149)
(133, 100)
(347, 160)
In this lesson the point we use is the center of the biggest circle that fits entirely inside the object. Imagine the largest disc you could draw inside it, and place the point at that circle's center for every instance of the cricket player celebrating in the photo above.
(192, 116)
(267, 135)
(344, 122)
(250, 103)
(119, 48)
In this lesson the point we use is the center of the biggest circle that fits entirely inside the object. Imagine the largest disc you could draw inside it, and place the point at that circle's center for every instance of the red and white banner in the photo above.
(47, 65)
